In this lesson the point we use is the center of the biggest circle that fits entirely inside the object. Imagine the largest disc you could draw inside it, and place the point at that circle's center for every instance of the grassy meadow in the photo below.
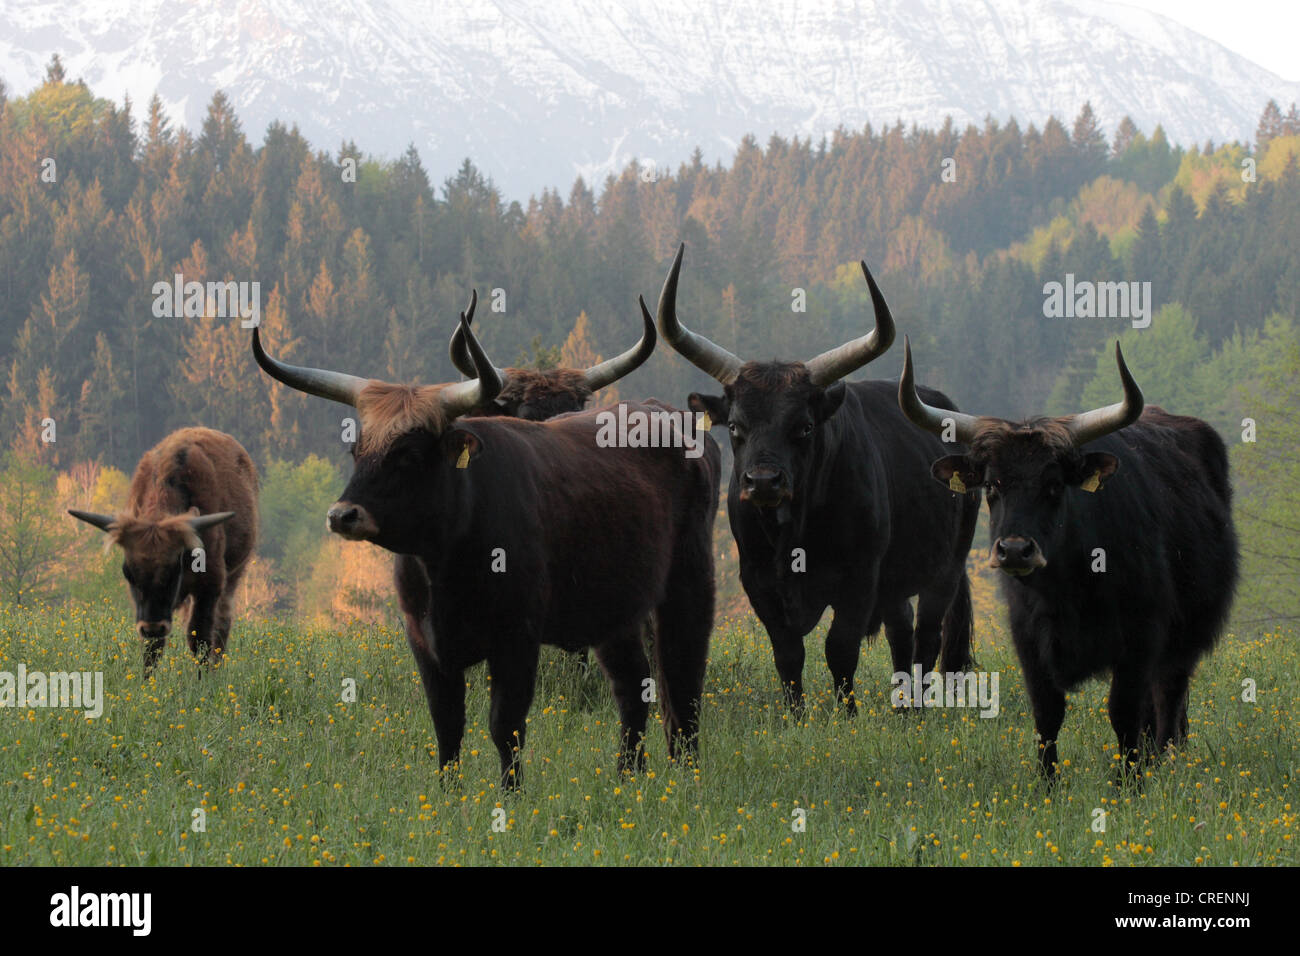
(286, 772)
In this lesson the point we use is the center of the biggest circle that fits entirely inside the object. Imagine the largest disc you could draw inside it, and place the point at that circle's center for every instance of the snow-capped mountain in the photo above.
(538, 92)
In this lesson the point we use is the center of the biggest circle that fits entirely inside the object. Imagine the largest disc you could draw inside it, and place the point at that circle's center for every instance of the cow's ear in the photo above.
(715, 406)
(830, 400)
(958, 472)
(460, 445)
(1097, 469)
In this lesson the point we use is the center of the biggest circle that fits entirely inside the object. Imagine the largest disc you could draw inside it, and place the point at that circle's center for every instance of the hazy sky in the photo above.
(1266, 31)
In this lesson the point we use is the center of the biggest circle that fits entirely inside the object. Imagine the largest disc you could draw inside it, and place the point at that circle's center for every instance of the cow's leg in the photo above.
(220, 628)
(225, 612)
(930, 609)
(514, 678)
(625, 664)
(444, 692)
(681, 642)
(787, 643)
(1048, 703)
(843, 648)
(1128, 690)
(199, 629)
(788, 655)
(153, 648)
(1169, 696)
(899, 633)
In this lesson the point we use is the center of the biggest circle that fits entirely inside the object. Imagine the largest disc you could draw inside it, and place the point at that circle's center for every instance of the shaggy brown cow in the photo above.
(195, 489)
(539, 394)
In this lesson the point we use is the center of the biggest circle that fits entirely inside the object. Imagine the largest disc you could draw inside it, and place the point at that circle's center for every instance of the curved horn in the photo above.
(462, 397)
(336, 386)
(833, 365)
(925, 416)
(203, 522)
(99, 521)
(1089, 426)
(696, 349)
(611, 370)
(456, 349)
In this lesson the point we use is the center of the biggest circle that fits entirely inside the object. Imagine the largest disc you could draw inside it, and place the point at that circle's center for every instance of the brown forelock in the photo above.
(531, 386)
(774, 375)
(388, 411)
(995, 433)
(153, 540)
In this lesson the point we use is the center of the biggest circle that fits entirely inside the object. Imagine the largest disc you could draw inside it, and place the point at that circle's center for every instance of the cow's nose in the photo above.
(764, 484)
(342, 517)
(153, 630)
(1017, 555)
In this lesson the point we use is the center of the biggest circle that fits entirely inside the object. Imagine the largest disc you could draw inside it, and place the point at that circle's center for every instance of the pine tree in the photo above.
(54, 72)
(1271, 125)
(1124, 136)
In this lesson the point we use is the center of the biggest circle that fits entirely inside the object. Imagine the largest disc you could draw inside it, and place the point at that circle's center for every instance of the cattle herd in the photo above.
(514, 524)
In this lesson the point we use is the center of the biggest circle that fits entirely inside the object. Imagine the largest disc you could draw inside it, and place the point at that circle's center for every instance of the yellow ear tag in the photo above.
(1093, 483)
(463, 460)
(956, 484)
(706, 422)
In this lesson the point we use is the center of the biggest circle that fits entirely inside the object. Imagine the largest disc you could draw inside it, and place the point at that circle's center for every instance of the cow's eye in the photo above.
(806, 430)
(991, 489)
(735, 430)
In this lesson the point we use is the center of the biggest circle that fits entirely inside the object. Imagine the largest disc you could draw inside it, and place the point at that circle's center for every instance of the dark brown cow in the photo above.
(531, 533)
(195, 489)
(539, 394)
(534, 395)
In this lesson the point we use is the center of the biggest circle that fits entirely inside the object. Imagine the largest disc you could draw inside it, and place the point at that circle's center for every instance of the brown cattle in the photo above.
(196, 489)
(539, 394)
(531, 533)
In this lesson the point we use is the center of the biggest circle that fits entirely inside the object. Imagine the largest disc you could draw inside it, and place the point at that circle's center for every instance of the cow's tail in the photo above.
(958, 629)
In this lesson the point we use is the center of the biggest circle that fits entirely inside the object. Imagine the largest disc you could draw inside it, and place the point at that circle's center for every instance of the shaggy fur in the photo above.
(1163, 521)
(190, 472)
(388, 411)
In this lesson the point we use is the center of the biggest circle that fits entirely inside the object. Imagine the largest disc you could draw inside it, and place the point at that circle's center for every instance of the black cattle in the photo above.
(530, 533)
(829, 505)
(1135, 581)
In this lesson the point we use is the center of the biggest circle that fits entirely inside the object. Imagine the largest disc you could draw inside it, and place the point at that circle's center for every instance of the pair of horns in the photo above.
(826, 369)
(457, 398)
(197, 524)
(598, 376)
(1082, 428)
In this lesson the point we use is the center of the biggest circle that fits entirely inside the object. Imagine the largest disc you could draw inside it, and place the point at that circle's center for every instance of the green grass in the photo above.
(288, 774)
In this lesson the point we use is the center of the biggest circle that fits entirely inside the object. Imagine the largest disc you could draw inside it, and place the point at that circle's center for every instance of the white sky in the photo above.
(1266, 31)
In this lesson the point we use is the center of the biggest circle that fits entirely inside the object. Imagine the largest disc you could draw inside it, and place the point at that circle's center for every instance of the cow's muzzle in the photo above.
(153, 630)
(765, 487)
(1016, 555)
(350, 521)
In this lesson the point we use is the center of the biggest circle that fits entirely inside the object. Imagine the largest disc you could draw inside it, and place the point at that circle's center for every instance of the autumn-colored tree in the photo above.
(34, 534)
